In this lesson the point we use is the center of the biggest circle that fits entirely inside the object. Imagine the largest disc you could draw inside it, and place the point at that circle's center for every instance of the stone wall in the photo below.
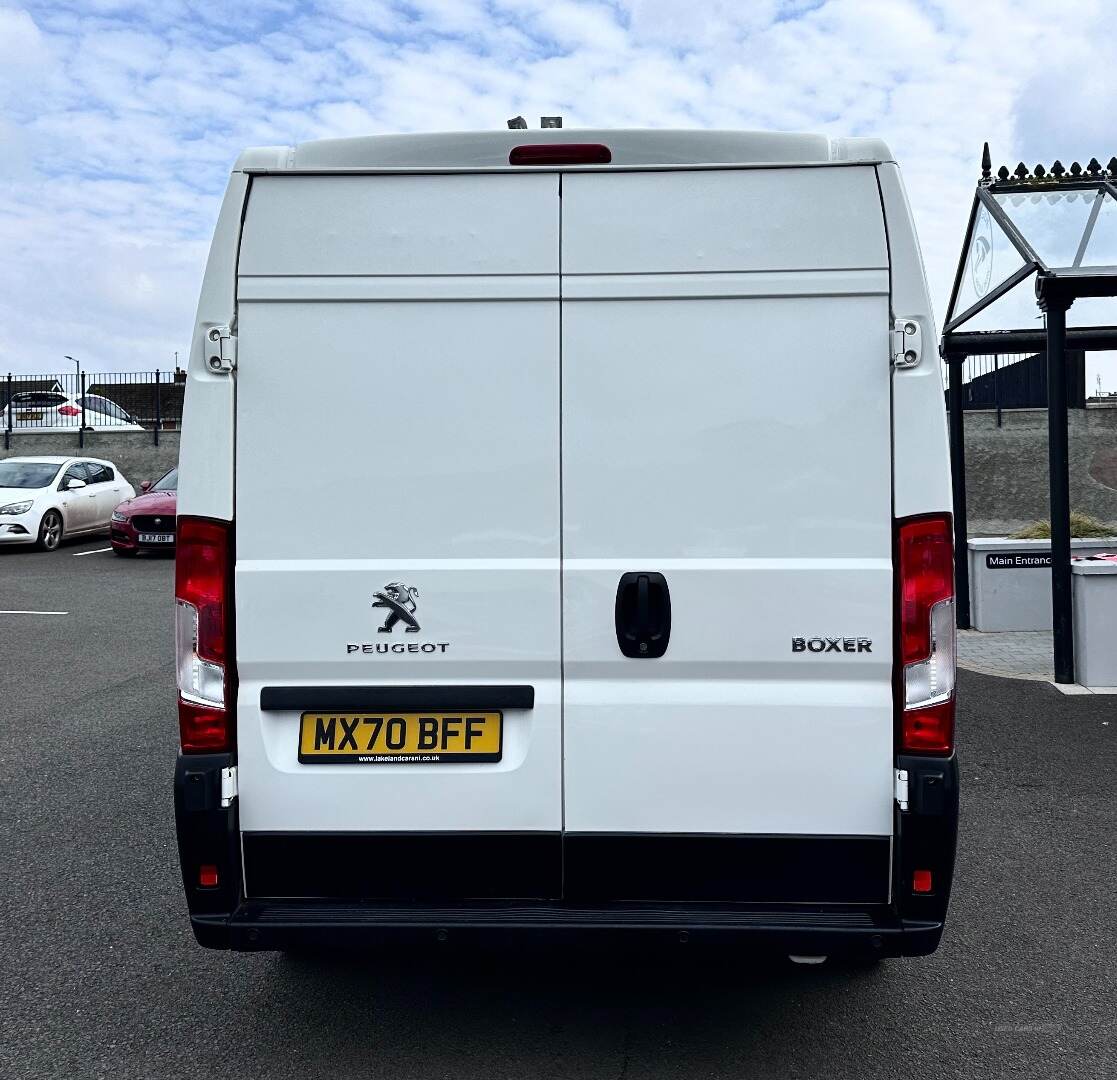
(133, 452)
(1006, 467)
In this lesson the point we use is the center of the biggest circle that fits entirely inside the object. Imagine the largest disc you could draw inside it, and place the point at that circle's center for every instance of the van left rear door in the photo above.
(397, 527)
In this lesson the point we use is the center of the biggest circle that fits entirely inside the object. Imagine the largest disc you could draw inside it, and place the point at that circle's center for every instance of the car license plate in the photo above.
(157, 538)
(415, 738)
(29, 416)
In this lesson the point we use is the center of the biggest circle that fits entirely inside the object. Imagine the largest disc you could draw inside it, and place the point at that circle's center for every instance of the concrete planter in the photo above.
(1095, 623)
(1010, 581)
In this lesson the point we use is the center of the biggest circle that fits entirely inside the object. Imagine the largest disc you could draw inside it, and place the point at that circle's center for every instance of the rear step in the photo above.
(271, 924)
(557, 916)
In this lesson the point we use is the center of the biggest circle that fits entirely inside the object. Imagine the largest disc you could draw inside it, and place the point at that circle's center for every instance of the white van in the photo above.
(618, 596)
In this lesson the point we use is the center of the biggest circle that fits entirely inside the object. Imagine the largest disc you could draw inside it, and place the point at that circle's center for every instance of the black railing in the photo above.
(128, 401)
(1017, 381)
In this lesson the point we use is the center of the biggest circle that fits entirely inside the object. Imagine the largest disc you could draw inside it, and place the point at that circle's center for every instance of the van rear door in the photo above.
(726, 424)
(397, 503)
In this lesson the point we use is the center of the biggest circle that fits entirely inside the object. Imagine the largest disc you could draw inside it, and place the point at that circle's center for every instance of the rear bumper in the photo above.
(278, 924)
(808, 895)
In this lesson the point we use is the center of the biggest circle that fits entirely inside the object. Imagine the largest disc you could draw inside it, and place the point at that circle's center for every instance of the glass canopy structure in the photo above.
(1037, 241)
(1055, 224)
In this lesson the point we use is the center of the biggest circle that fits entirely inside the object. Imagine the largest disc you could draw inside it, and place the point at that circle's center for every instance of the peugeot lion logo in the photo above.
(399, 599)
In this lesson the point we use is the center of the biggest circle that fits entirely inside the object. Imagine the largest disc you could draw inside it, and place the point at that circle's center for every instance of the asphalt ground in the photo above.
(102, 976)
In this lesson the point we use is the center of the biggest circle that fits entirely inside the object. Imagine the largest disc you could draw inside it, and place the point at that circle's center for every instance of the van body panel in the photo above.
(454, 494)
(724, 220)
(209, 406)
(921, 468)
(398, 225)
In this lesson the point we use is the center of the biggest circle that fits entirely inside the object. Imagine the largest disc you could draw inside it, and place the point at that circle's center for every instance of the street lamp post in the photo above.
(79, 393)
(77, 374)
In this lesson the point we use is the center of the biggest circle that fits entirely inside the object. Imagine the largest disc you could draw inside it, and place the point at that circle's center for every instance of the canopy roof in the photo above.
(1056, 225)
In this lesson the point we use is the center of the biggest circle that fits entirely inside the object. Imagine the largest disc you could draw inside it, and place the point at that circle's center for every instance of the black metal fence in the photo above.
(1017, 381)
(91, 401)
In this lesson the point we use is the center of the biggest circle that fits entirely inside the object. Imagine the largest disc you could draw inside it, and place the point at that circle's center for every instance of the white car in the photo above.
(51, 410)
(43, 499)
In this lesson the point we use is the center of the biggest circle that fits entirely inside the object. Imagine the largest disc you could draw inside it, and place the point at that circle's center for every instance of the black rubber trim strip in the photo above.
(686, 868)
(401, 698)
(403, 866)
(585, 869)
(543, 913)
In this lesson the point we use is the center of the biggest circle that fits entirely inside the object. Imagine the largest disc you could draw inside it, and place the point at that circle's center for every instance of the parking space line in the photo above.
(95, 551)
(34, 613)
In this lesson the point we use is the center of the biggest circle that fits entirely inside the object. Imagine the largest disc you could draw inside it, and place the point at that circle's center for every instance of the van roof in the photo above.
(630, 147)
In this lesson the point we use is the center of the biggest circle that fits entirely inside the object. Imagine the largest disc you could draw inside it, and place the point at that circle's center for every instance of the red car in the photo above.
(147, 521)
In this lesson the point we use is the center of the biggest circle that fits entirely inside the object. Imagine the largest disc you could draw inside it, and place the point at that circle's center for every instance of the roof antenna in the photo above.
(517, 123)
(986, 165)
(550, 121)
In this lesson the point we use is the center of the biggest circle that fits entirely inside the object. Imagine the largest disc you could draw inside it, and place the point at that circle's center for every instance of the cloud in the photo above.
(121, 117)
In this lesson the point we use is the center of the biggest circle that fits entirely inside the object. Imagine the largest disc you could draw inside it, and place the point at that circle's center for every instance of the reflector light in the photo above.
(203, 602)
(925, 569)
(207, 876)
(560, 154)
(921, 881)
(928, 729)
(202, 729)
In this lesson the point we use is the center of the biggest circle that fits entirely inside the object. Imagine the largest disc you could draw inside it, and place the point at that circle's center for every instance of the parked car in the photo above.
(43, 499)
(51, 410)
(146, 522)
(639, 615)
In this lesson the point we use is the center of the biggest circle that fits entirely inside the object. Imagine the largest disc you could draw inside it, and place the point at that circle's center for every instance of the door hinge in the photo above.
(221, 350)
(228, 786)
(901, 787)
(907, 343)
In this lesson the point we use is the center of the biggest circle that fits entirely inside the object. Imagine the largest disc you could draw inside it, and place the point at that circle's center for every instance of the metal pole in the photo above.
(77, 369)
(158, 418)
(997, 386)
(954, 363)
(1058, 465)
(8, 412)
(81, 430)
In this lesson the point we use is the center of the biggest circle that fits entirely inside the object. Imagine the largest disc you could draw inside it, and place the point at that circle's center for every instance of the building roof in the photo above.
(22, 383)
(629, 147)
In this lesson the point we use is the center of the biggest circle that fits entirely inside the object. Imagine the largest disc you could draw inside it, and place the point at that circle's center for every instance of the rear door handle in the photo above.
(643, 615)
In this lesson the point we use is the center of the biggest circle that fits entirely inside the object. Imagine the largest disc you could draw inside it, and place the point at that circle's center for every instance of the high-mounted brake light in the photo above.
(560, 154)
(925, 567)
(203, 607)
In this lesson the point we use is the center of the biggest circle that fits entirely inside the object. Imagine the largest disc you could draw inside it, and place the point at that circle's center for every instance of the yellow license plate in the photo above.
(415, 738)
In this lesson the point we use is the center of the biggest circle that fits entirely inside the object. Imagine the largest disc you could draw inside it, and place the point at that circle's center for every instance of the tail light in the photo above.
(203, 617)
(69, 410)
(925, 566)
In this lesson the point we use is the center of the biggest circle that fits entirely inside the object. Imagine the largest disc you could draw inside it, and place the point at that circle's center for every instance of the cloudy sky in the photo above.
(119, 120)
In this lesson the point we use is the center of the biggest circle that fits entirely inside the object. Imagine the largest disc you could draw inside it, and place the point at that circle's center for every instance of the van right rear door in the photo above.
(726, 426)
